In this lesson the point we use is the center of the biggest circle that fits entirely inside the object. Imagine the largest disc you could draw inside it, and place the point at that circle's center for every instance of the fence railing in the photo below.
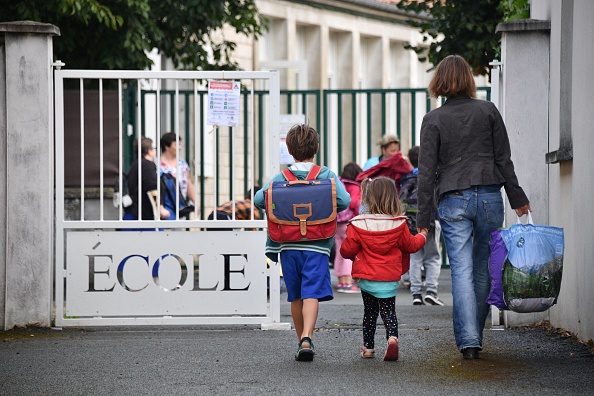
(350, 123)
(115, 271)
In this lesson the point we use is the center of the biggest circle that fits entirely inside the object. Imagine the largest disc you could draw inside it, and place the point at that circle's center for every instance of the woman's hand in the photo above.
(522, 210)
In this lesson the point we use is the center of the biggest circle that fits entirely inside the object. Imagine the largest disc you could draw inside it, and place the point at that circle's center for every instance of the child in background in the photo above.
(379, 243)
(342, 266)
(428, 259)
(305, 264)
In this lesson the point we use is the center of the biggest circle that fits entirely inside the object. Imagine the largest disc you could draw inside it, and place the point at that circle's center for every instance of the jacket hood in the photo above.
(377, 222)
(379, 231)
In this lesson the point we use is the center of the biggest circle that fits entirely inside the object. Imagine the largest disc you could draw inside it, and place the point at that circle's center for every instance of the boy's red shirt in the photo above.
(380, 247)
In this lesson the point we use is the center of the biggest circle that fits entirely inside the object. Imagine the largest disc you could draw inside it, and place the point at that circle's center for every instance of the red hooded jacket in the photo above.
(394, 167)
(380, 247)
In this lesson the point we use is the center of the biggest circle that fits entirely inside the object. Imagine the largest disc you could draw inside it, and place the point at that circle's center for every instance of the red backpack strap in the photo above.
(313, 172)
(289, 175)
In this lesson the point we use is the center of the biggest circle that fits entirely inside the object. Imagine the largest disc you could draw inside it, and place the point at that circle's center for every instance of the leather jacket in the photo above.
(464, 143)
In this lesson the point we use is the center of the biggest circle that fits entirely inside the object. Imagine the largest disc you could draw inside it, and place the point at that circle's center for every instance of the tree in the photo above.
(116, 34)
(462, 27)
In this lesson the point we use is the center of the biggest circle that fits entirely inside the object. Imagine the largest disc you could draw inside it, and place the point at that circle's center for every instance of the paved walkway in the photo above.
(243, 360)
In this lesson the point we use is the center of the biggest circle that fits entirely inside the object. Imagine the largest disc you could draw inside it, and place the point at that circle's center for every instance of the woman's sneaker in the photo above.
(392, 349)
(432, 299)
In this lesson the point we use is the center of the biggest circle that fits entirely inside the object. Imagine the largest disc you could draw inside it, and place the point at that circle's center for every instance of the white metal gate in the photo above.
(170, 271)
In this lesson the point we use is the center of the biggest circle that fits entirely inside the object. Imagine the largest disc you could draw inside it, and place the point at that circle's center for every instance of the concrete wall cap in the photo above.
(523, 25)
(29, 27)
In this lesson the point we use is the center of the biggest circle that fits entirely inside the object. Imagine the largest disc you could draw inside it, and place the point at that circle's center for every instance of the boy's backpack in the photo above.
(301, 210)
(408, 198)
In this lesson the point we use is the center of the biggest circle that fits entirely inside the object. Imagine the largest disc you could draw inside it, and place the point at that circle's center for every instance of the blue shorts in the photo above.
(306, 275)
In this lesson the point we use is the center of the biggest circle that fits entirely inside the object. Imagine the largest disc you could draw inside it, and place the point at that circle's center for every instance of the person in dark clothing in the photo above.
(465, 159)
(148, 183)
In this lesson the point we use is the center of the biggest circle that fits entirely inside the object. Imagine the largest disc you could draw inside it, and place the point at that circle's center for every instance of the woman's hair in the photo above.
(167, 140)
(380, 196)
(453, 77)
(351, 171)
(302, 142)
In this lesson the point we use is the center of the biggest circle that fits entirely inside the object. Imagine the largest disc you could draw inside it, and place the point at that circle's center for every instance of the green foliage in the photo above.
(515, 9)
(462, 27)
(114, 34)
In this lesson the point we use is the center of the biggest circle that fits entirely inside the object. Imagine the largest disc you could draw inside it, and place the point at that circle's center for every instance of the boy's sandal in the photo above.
(305, 354)
(367, 353)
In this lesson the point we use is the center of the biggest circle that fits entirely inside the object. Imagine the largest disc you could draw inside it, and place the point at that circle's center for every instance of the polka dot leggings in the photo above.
(386, 307)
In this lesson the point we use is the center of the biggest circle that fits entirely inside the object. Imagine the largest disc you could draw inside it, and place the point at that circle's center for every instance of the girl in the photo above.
(342, 266)
(379, 243)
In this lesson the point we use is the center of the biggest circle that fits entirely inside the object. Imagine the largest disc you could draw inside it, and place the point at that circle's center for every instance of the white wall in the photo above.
(570, 189)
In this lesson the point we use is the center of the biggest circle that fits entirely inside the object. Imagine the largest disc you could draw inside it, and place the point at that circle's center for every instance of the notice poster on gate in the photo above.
(287, 121)
(223, 103)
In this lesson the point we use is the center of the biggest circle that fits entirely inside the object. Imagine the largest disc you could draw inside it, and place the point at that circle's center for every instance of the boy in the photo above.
(305, 264)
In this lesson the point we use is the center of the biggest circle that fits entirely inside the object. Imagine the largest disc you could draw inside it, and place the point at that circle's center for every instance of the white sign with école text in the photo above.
(223, 103)
(114, 274)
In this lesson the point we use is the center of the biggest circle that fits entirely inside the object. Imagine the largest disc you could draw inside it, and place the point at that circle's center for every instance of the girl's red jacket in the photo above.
(380, 247)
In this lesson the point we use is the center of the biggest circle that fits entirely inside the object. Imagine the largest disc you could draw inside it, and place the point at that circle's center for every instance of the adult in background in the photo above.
(148, 183)
(465, 159)
(390, 145)
(169, 165)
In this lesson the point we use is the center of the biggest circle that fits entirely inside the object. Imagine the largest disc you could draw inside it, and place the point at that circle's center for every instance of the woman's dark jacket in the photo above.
(464, 143)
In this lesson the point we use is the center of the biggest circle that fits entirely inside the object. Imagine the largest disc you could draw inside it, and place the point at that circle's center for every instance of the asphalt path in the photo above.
(244, 360)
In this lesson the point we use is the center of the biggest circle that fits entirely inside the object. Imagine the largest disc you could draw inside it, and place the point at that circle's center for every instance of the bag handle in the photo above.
(529, 221)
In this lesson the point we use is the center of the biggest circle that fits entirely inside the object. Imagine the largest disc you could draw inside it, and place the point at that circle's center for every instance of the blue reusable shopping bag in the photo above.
(533, 267)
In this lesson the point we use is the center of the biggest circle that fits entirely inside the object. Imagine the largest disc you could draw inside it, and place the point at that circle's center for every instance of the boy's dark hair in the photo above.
(302, 142)
(168, 139)
(248, 193)
(413, 156)
(351, 171)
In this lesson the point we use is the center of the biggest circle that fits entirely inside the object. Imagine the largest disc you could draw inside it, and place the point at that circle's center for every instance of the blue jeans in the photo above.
(467, 218)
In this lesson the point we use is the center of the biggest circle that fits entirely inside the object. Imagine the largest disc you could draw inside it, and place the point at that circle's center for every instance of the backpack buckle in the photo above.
(302, 216)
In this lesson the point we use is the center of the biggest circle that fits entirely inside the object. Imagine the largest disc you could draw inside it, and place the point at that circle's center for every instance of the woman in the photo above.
(169, 165)
(465, 159)
(390, 145)
(148, 182)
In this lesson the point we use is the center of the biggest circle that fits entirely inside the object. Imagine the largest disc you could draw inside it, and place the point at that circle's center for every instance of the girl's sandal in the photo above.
(392, 349)
(305, 354)
(367, 353)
